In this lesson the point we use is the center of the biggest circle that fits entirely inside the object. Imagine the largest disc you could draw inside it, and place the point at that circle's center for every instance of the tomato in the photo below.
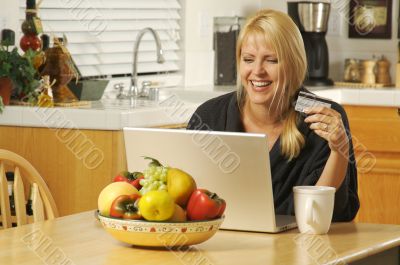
(136, 182)
(125, 206)
(205, 205)
(120, 177)
(130, 177)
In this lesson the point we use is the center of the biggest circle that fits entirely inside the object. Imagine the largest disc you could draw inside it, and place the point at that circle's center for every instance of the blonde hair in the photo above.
(283, 36)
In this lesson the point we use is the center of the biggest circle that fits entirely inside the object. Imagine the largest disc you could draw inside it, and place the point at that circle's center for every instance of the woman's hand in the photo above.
(328, 124)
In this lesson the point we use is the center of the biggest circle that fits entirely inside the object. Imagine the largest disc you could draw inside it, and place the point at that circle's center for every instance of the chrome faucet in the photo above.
(133, 88)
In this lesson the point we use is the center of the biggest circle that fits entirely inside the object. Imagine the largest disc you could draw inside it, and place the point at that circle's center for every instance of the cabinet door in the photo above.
(75, 164)
(380, 198)
(376, 138)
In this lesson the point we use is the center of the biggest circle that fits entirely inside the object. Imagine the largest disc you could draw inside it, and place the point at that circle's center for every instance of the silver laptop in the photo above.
(236, 166)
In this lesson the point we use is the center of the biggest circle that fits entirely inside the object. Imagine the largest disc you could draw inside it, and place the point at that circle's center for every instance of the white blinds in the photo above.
(101, 34)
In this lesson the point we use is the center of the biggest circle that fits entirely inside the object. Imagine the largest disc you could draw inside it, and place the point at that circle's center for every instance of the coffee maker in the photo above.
(312, 20)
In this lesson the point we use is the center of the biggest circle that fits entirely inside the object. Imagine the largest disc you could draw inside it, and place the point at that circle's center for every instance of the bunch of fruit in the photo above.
(159, 194)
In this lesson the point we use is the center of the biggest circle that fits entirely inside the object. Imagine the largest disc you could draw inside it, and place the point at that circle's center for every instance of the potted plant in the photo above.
(17, 74)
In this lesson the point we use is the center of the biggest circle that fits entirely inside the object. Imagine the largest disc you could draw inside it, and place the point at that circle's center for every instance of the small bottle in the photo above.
(45, 42)
(10, 183)
(31, 27)
(7, 37)
(40, 57)
(29, 210)
(28, 26)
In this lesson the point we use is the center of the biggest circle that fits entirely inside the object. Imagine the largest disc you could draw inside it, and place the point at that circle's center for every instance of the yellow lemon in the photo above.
(156, 205)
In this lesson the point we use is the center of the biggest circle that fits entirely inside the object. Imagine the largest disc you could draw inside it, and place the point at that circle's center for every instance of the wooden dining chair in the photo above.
(43, 205)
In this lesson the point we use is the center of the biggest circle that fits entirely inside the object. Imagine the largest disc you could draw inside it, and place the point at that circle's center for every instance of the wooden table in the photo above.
(80, 239)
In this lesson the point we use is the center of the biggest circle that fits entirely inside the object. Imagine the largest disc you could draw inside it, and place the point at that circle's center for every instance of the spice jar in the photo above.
(383, 73)
(368, 72)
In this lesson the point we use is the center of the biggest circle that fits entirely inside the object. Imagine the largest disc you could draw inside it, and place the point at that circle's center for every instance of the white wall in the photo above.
(197, 35)
(199, 53)
(9, 15)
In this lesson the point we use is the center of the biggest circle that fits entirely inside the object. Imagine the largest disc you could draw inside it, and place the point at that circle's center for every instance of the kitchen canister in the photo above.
(368, 71)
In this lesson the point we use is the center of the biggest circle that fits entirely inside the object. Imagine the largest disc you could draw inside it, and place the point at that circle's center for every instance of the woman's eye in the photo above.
(248, 60)
(274, 61)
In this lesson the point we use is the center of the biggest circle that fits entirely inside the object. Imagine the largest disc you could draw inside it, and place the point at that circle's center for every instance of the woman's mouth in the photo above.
(260, 85)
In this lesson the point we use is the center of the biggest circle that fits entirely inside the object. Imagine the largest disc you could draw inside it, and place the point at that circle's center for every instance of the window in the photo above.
(101, 34)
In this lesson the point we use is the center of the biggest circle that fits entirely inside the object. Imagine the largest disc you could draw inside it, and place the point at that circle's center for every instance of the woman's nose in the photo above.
(259, 68)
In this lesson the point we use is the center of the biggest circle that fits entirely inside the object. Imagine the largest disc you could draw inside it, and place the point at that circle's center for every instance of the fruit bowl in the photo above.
(160, 234)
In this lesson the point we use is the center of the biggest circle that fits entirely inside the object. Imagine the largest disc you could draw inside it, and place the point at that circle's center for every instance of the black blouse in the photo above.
(222, 114)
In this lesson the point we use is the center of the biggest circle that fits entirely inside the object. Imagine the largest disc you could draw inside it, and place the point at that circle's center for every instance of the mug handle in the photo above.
(310, 211)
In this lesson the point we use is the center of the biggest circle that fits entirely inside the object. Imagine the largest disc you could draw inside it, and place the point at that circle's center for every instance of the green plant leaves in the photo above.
(19, 69)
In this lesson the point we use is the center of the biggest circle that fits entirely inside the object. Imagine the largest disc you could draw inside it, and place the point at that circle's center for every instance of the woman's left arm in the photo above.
(328, 124)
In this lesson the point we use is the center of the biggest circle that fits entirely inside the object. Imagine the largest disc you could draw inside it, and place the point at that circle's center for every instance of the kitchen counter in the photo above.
(174, 107)
(385, 97)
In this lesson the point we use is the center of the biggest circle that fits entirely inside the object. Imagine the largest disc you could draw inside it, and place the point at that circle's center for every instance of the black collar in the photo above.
(234, 117)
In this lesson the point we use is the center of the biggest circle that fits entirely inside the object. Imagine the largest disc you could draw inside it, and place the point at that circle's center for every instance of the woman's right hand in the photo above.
(328, 124)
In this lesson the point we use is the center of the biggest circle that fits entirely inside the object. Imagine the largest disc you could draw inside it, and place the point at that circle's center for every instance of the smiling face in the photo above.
(259, 68)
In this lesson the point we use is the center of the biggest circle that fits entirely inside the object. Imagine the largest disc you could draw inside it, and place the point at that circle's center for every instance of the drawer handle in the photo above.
(398, 111)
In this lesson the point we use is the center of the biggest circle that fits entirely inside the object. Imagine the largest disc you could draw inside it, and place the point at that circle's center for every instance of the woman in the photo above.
(304, 150)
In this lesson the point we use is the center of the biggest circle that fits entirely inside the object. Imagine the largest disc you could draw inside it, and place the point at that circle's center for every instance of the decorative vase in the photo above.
(58, 67)
(6, 87)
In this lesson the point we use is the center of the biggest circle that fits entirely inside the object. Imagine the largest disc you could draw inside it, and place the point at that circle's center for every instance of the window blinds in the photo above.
(101, 34)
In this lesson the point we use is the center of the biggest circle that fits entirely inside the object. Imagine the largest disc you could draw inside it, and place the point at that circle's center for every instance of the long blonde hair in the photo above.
(285, 39)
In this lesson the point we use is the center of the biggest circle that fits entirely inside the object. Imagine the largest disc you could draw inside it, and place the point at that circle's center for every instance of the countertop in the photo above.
(175, 106)
(80, 239)
(383, 97)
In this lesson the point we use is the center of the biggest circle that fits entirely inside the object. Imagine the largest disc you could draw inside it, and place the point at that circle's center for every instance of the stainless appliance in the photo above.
(226, 32)
(312, 20)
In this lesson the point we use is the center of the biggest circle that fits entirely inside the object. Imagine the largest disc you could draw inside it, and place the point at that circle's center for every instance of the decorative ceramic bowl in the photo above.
(160, 234)
(90, 90)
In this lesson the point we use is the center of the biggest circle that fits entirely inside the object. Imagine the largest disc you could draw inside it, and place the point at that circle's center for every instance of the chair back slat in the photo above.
(43, 204)
(19, 198)
(33, 176)
(37, 204)
(4, 199)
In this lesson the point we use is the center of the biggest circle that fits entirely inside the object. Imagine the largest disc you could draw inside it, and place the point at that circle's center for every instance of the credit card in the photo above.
(308, 100)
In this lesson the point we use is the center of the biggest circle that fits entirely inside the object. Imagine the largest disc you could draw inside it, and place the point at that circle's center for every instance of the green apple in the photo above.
(156, 205)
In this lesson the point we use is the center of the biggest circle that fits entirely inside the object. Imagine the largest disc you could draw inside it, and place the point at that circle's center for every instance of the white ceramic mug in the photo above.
(313, 206)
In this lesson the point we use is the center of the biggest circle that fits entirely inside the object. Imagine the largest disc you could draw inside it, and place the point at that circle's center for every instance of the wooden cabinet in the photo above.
(76, 164)
(376, 138)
